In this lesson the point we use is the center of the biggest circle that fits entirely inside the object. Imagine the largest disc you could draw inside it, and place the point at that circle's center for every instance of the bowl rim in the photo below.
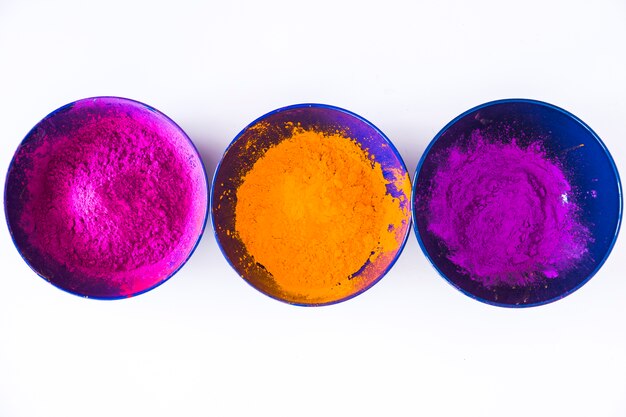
(535, 103)
(167, 119)
(328, 107)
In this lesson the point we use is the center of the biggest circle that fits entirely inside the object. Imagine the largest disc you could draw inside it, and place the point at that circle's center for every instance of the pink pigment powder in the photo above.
(114, 198)
(505, 213)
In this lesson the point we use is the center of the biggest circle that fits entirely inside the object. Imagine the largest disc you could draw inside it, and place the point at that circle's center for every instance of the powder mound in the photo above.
(113, 199)
(313, 210)
(505, 213)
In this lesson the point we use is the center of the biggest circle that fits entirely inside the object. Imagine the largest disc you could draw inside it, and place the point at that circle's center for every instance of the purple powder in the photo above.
(113, 198)
(505, 213)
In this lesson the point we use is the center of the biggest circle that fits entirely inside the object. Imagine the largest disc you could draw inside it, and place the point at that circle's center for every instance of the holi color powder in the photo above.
(311, 205)
(505, 212)
(517, 203)
(106, 198)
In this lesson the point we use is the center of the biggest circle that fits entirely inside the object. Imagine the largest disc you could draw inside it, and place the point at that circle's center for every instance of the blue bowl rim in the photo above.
(537, 103)
(168, 119)
(329, 107)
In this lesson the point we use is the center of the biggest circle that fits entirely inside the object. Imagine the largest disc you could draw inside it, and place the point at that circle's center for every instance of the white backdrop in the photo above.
(207, 344)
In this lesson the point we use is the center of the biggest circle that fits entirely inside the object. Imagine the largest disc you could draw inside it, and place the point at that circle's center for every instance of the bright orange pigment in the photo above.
(315, 213)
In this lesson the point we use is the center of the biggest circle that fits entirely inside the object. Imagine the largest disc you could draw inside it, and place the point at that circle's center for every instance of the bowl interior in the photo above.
(252, 143)
(587, 165)
(64, 183)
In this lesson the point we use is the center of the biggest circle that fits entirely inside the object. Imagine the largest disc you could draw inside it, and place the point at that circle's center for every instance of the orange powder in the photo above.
(314, 212)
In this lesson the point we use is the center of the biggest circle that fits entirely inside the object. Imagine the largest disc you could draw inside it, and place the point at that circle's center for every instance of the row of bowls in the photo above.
(592, 169)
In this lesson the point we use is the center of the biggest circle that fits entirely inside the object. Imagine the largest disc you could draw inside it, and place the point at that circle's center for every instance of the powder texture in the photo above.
(115, 197)
(314, 210)
(505, 213)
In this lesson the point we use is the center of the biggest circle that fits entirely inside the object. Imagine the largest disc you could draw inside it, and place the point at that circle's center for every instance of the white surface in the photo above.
(207, 344)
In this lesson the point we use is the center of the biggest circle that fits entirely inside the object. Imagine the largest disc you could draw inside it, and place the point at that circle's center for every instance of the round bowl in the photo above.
(556, 245)
(106, 198)
(256, 143)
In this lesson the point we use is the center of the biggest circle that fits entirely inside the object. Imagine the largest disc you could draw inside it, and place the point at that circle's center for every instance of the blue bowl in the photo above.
(240, 157)
(589, 169)
(67, 128)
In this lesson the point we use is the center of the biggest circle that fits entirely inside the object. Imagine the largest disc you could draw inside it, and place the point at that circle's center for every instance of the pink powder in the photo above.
(114, 198)
(506, 213)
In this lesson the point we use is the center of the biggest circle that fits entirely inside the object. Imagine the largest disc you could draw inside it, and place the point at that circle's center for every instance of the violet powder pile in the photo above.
(505, 213)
